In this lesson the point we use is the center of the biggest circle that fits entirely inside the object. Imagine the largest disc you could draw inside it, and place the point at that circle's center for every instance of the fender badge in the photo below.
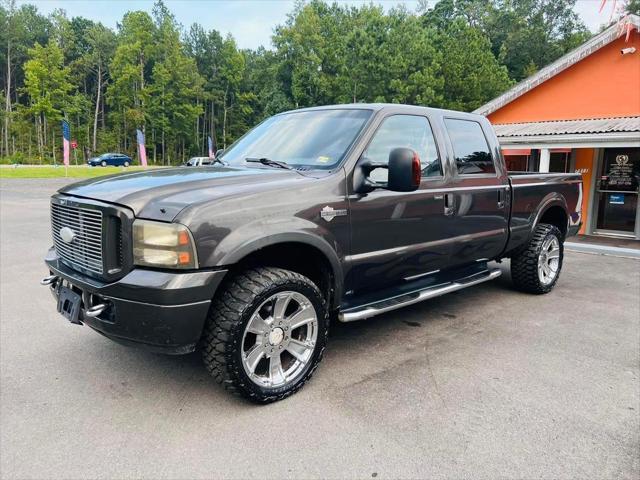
(328, 213)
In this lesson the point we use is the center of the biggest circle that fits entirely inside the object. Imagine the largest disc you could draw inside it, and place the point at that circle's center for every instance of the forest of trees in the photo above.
(181, 84)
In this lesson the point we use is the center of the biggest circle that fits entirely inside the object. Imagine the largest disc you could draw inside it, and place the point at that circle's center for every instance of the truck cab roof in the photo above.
(395, 107)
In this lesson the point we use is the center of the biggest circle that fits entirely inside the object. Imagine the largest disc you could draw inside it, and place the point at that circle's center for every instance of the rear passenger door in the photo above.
(478, 197)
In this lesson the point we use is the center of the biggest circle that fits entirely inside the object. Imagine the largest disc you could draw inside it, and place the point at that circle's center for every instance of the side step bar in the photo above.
(393, 303)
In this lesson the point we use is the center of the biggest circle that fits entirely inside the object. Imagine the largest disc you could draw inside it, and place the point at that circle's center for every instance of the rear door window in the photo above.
(470, 147)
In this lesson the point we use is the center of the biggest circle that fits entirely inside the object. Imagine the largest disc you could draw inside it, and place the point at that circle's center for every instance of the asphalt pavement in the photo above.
(482, 383)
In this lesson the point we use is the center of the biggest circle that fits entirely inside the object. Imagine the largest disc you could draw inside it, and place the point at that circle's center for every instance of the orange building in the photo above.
(582, 113)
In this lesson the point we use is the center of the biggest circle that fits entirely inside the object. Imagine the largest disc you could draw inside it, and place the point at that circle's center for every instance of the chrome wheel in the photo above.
(279, 339)
(549, 260)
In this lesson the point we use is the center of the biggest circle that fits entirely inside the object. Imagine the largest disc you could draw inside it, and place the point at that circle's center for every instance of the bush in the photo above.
(18, 158)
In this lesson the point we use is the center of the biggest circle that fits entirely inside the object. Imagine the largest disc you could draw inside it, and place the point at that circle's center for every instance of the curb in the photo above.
(602, 250)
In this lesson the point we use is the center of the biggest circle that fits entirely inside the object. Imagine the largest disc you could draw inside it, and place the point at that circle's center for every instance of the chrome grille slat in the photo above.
(78, 221)
(85, 250)
(90, 251)
(70, 259)
(68, 222)
(90, 256)
(89, 239)
(95, 238)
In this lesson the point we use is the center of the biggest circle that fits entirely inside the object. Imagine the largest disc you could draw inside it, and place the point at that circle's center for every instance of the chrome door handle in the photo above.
(501, 198)
(449, 208)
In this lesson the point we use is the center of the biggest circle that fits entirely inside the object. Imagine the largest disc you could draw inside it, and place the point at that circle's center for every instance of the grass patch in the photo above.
(59, 172)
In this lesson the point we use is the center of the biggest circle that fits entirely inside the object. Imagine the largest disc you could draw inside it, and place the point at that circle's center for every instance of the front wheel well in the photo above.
(557, 217)
(298, 257)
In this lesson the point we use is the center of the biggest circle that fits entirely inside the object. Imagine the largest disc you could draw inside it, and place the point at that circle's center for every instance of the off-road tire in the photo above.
(524, 264)
(230, 311)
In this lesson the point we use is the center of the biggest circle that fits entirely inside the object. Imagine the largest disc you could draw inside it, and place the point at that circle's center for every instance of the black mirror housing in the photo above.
(405, 171)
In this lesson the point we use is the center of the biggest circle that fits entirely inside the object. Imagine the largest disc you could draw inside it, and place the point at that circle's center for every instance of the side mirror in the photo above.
(219, 153)
(405, 171)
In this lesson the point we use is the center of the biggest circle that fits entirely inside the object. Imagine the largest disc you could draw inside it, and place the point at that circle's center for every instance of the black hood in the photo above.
(162, 193)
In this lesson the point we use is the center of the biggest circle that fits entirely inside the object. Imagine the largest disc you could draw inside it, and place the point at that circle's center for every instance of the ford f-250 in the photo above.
(329, 213)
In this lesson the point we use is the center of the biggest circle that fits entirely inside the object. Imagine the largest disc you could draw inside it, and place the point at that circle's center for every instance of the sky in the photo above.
(251, 22)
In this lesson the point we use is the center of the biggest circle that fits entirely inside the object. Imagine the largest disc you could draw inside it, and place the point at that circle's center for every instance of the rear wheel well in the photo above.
(297, 257)
(557, 217)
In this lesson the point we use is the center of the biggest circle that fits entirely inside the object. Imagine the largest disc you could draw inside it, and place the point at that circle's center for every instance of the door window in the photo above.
(470, 147)
(408, 131)
(618, 190)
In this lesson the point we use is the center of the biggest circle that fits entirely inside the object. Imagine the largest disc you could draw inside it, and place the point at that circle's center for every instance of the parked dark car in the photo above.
(110, 159)
(336, 213)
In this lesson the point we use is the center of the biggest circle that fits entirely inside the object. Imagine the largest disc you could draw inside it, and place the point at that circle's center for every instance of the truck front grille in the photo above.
(84, 251)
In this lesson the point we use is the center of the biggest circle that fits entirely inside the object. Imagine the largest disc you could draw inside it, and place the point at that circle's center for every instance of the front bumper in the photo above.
(158, 310)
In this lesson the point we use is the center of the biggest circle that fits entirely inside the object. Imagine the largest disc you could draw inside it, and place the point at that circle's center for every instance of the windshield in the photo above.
(316, 139)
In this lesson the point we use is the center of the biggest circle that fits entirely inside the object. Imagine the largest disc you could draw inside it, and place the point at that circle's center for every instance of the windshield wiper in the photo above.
(268, 162)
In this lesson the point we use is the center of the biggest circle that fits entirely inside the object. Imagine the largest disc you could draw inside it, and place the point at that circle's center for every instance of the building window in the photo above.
(516, 163)
(560, 162)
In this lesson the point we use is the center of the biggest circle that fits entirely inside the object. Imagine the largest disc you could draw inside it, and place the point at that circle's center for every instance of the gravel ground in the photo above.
(482, 383)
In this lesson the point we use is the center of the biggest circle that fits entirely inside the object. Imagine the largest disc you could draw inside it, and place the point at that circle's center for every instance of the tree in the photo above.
(632, 6)
(47, 86)
(472, 75)
(20, 28)
(180, 87)
(524, 34)
(175, 87)
(231, 71)
(129, 68)
(101, 43)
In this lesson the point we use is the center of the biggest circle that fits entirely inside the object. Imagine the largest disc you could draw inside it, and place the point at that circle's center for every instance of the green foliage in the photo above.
(472, 74)
(633, 6)
(180, 86)
(522, 33)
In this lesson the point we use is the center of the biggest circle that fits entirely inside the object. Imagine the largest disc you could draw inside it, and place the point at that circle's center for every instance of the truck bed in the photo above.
(533, 192)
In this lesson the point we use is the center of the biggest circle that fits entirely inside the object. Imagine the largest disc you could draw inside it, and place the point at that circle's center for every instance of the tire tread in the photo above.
(223, 326)
(524, 263)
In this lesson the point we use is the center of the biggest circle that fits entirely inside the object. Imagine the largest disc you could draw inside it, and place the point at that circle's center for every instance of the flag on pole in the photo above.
(142, 153)
(66, 139)
(212, 153)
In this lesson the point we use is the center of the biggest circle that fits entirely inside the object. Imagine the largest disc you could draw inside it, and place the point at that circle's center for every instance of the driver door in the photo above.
(399, 236)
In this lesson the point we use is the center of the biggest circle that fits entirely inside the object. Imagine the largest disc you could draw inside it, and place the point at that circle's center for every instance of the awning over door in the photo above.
(516, 151)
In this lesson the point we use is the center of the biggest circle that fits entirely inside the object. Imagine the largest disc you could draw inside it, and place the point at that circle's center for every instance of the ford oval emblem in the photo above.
(67, 234)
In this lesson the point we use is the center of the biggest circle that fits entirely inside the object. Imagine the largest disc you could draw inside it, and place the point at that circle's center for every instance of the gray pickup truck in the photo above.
(334, 213)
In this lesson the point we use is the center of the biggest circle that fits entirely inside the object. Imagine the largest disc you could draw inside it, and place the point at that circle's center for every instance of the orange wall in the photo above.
(604, 84)
(584, 165)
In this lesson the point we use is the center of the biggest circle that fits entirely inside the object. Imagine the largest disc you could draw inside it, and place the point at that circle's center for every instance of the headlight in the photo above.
(163, 245)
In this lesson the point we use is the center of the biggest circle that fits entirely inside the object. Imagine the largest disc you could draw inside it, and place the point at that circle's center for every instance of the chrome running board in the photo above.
(393, 303)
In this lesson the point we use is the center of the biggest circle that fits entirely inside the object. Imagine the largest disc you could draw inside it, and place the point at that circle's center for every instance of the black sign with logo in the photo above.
(621, 169)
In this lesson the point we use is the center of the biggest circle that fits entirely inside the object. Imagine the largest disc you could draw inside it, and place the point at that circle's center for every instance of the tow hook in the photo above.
(96, 310)
(49, 280)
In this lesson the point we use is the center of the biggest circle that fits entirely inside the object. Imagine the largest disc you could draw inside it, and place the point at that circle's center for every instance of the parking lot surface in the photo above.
(483, 383)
